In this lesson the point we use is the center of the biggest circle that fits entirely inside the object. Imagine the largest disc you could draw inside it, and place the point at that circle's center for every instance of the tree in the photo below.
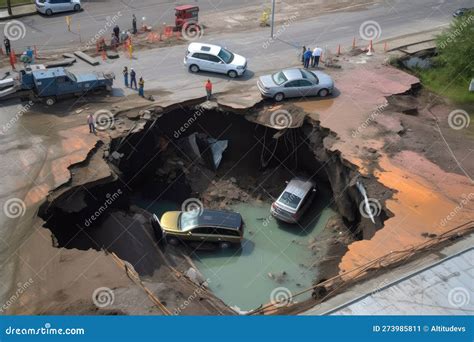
(456, 47)
(9, 7)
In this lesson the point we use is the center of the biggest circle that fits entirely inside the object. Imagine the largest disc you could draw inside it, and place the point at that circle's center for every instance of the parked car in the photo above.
(49, 7)
(295, 82)
(222, 227)
(214, 58)
(294, 200)
(461, 11)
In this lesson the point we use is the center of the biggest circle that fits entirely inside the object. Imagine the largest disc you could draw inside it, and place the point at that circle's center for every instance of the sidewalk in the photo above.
(18, 11)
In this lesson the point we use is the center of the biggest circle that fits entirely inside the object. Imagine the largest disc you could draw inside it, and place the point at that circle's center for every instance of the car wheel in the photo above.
(323, 93)
(232, 74)
(77, 8)
(279, 97)
(50, 101)
(194, 68)
(224, 245)
(49, 12)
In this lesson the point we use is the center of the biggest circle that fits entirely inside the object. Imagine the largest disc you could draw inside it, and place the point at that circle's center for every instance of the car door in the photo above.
(217, 64)
(307, 88)
(205, 63)
(65, 5)
(291, 88)
(200, 234)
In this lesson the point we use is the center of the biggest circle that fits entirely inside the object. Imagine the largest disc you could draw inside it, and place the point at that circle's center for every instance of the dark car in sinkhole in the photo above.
(216, 226)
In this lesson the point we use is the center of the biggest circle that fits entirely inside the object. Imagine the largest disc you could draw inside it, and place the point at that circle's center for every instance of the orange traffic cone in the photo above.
(12, 59)
(370, 49)
(104, 55)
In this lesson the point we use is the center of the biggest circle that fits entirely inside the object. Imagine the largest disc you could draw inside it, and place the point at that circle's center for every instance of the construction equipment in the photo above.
(186, 15)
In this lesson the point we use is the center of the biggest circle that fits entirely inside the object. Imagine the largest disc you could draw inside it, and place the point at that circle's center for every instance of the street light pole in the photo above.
(273, 17)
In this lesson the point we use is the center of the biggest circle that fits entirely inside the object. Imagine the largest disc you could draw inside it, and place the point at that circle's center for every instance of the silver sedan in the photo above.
(295, 83)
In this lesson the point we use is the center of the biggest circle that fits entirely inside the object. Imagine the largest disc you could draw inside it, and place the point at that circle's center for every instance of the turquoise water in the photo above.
(272, 255)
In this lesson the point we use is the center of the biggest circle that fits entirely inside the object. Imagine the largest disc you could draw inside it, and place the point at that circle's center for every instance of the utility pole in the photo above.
(273, 17)
(9, 7)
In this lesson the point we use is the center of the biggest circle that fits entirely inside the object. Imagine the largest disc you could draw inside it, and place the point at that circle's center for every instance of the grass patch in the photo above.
(3, 3)
(439, 81)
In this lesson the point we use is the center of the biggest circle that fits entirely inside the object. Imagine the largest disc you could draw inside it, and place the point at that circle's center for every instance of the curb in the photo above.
(15, 16)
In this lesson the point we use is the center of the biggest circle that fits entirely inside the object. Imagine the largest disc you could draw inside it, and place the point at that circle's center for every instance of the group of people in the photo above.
(117, 38)
(133, 81)
(311, 57)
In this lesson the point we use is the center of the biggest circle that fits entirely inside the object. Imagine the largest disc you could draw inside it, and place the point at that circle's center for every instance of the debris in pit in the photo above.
(207, 150)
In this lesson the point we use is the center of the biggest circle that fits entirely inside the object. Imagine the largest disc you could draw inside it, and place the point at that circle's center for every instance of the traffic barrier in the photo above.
(168, 31)
(12, 59)
(354, 43)
(338, 50)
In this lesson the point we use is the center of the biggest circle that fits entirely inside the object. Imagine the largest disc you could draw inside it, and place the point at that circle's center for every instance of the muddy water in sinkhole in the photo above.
(272, 254)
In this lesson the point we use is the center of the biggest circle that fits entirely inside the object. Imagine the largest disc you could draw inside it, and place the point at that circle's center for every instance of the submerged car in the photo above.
(294, 200)
(208, 57)
(217, 226)
(295, 82)
(49, 7)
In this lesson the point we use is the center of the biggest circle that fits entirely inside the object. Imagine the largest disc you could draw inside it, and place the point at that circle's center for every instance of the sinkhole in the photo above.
(226, 161)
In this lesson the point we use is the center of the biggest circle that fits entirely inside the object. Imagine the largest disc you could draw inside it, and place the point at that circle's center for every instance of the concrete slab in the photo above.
(86, 58)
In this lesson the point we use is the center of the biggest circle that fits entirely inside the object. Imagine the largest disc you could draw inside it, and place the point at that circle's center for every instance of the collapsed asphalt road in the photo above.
(47, 142)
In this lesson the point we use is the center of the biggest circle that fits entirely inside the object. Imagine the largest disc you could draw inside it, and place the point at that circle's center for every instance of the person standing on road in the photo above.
(133, 78)
(91, 123)
(117, 32)
(208, 89)
(6, 42)
(302, 55)
(307, 58)
(316, 56)
(125, 76)
(141, 87)
(134, 24)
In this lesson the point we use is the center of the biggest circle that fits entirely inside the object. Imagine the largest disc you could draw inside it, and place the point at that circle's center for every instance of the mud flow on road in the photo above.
(157, 170)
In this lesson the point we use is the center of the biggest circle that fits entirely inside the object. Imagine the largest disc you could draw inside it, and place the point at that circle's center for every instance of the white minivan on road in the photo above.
(208, 57)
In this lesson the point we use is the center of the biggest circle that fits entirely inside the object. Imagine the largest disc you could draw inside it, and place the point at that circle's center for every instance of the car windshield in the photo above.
(226, 56)
(308, 75)
(289, 199)
(188, 219)
(71, 76)
(279, 78)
